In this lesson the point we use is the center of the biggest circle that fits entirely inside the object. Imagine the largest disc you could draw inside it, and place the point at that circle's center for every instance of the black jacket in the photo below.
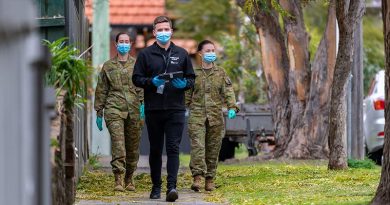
(153, 61)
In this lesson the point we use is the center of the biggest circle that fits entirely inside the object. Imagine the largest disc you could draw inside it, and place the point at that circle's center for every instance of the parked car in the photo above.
(374, 118)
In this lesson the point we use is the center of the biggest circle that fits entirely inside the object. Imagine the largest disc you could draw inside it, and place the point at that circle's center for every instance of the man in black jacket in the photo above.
(164, 102)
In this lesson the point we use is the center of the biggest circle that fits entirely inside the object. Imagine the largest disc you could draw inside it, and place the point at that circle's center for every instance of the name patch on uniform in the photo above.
(175, 60)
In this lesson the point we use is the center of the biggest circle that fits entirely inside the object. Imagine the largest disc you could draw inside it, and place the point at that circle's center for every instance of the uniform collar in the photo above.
(214, 68)
(129, 60)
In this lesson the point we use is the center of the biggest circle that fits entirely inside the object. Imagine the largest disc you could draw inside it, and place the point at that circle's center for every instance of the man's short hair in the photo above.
(161, 19)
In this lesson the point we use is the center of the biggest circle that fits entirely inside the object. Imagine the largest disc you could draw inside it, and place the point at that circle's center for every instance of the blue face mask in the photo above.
(123, 48)
(163, 37)
(209, 57)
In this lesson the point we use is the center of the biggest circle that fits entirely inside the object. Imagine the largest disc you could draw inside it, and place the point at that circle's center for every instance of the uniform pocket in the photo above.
(115, 79)
(111, 114)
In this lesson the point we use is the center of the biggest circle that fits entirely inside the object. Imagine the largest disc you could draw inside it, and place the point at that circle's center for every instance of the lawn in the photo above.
(294, 182)
(251, 182)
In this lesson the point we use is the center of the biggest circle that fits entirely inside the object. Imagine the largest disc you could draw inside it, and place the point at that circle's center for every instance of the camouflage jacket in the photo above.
(115, 92)
(210, 94)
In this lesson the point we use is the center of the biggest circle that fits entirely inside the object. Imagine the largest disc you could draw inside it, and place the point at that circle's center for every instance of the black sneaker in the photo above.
(155, 193)
(172, 195)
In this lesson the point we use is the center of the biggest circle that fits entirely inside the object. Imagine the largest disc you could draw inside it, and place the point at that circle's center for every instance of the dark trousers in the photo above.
(169, 123)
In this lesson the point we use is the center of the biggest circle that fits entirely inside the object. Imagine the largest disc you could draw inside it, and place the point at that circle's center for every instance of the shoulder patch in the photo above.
(228, 81)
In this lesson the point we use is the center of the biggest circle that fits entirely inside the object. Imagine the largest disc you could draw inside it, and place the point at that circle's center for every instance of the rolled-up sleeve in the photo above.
(228, 94)
(101, 93)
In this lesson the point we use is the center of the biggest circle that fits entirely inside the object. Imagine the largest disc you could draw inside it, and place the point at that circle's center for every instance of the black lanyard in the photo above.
(166, 60)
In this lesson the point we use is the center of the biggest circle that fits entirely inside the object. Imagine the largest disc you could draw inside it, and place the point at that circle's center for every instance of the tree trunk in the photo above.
(298, 78)
(317, 110)
(348, 15)
(382, 195)
(300, 103)
(275, 66)
(298, 54)
(309, 139)
(58, 170)
(275, 70)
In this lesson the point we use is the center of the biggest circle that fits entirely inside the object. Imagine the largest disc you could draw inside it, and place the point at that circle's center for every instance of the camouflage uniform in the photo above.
(120, 100)
(211, 92)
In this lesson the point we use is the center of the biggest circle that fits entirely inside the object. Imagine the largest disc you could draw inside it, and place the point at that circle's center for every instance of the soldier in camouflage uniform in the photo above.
(122, 105)
(213, 90)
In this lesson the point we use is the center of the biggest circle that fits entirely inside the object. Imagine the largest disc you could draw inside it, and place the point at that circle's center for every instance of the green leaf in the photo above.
(67, 72)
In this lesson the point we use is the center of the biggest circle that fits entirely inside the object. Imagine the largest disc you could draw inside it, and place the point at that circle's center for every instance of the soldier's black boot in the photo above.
(172, 195)
(156, 192)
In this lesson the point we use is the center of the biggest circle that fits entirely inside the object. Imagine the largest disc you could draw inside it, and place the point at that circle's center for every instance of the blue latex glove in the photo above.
(231, 114)
(99, 123)
(179, 83)
(157, 82)
(142, 111)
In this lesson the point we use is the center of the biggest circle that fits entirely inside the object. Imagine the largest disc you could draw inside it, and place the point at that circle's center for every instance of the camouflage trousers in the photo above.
(125, 138)
(206, 143)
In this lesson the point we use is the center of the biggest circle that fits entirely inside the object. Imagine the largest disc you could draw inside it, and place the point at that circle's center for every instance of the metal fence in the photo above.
(77, 28)
(57, 19)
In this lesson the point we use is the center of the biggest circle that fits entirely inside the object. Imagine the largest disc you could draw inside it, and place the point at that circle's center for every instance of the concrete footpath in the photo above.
(186, 196)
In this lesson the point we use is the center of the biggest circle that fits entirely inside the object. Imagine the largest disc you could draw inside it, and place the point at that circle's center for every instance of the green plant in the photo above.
(54, 143)
(202, 18)
(241, 60)
(361, 164)
(93, 161)
(241, 152)
(68, 71)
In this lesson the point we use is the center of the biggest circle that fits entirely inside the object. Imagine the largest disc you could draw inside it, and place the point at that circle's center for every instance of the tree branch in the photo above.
(340, 13)
(356, 11)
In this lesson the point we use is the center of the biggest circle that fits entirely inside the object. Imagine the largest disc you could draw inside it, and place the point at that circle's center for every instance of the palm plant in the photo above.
(68, 71)
(69, 74)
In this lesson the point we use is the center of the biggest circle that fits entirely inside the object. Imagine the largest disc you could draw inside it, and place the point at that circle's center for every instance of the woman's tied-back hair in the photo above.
(202, 43)
(121, 33)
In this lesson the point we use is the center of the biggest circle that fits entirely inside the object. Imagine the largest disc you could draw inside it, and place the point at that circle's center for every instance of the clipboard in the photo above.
(171, 76)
